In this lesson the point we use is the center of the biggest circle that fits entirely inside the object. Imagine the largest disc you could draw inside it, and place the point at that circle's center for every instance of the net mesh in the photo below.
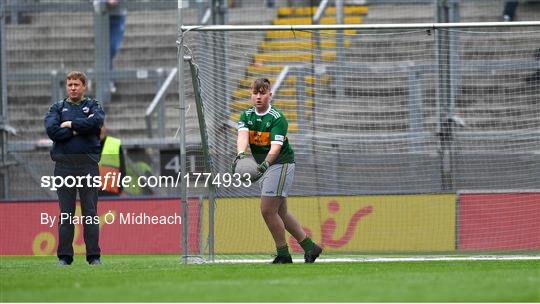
(386, 126)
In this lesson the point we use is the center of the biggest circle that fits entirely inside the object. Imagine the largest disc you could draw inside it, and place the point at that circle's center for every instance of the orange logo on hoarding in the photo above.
(328, 228)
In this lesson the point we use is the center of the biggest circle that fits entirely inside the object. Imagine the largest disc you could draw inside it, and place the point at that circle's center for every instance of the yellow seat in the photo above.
(295, 45)
(284, 57)
(304, 34)
(235, 116)
(246, 94)
(290, 80)
(290, 115)
(324, 20)
(240, 105)
(292, 104)
(293, 56)
(261, 70)
(308, 11)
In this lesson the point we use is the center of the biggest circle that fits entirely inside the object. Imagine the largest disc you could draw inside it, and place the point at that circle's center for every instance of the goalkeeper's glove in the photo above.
(262, 167)
(236, 159)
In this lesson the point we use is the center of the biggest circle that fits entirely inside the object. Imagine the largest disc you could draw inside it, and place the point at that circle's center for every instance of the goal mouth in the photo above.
(393, 131)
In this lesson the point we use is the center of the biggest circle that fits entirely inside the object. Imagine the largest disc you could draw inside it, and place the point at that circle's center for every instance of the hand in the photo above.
(66, 124)
(256, 178)
(236, 159)
(262, 167)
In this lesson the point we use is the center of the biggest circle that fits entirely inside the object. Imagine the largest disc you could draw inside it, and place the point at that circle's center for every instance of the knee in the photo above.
(268, 213)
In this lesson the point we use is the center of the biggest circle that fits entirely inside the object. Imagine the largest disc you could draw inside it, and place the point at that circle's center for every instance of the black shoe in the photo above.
(282, 260)
(65, 260)
(95, 262)
(313, 254)
(63, 263)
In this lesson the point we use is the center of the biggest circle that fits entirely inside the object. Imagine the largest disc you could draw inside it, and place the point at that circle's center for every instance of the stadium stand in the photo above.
(49, 43)
(149, 45)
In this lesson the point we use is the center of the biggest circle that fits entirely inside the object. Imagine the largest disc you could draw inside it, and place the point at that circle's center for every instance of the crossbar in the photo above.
(426, 26)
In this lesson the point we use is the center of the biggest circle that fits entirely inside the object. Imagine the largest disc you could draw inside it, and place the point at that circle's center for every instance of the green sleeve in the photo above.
(278, 133)
(242, 123)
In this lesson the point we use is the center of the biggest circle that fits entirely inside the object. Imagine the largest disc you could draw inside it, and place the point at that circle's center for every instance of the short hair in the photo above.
(261, 85)
(76, 75)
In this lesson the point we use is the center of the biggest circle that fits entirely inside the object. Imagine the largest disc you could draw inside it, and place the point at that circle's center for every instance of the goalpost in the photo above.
(408, 139)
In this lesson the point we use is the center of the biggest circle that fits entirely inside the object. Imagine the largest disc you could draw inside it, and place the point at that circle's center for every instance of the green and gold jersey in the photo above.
(265, 130)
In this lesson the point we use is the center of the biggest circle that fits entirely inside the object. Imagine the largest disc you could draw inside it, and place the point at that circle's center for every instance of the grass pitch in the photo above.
(164, 279)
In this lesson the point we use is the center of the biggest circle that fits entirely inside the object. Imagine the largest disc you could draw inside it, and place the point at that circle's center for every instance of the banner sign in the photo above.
(499, 221)
(374, 223)
(148, 226)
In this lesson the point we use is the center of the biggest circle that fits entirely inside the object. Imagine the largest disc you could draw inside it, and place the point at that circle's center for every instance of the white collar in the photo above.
(266, 112)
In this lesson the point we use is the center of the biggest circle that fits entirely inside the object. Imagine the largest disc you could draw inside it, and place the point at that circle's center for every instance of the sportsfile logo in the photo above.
(112, 179)
(109, 180)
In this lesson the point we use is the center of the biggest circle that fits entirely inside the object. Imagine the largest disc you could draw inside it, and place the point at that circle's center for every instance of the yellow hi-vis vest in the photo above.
(110, 162)
(133, 170)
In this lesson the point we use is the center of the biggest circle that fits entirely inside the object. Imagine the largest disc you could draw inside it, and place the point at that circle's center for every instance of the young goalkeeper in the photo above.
(264, 128)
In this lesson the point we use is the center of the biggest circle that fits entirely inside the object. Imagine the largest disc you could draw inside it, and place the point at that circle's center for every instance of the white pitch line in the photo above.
(395, 259)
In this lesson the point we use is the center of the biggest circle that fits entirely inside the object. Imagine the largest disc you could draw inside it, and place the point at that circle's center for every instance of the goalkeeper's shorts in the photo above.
(277, 180)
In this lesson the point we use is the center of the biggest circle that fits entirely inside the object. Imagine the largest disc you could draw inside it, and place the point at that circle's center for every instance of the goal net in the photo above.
(416, 140)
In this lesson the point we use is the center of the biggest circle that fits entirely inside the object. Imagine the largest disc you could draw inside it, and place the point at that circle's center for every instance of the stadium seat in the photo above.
(279, 57)
(308, 11)
(291, 80)
(289, 91)
(307, 35)
(307, 20)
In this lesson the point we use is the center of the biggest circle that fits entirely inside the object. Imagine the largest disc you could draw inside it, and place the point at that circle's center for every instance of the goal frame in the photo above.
(444, 56)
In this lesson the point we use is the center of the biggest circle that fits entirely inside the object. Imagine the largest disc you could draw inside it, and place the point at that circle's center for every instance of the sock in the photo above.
(307, 244)
(283, 251)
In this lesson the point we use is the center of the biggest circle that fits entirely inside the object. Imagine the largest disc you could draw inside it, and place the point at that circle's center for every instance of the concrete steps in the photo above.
(281, 48)
(24, 177)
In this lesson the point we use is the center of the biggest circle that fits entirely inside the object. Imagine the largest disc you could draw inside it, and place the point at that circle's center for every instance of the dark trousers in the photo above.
(117, 26)
(510, 7)
(67, 197)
